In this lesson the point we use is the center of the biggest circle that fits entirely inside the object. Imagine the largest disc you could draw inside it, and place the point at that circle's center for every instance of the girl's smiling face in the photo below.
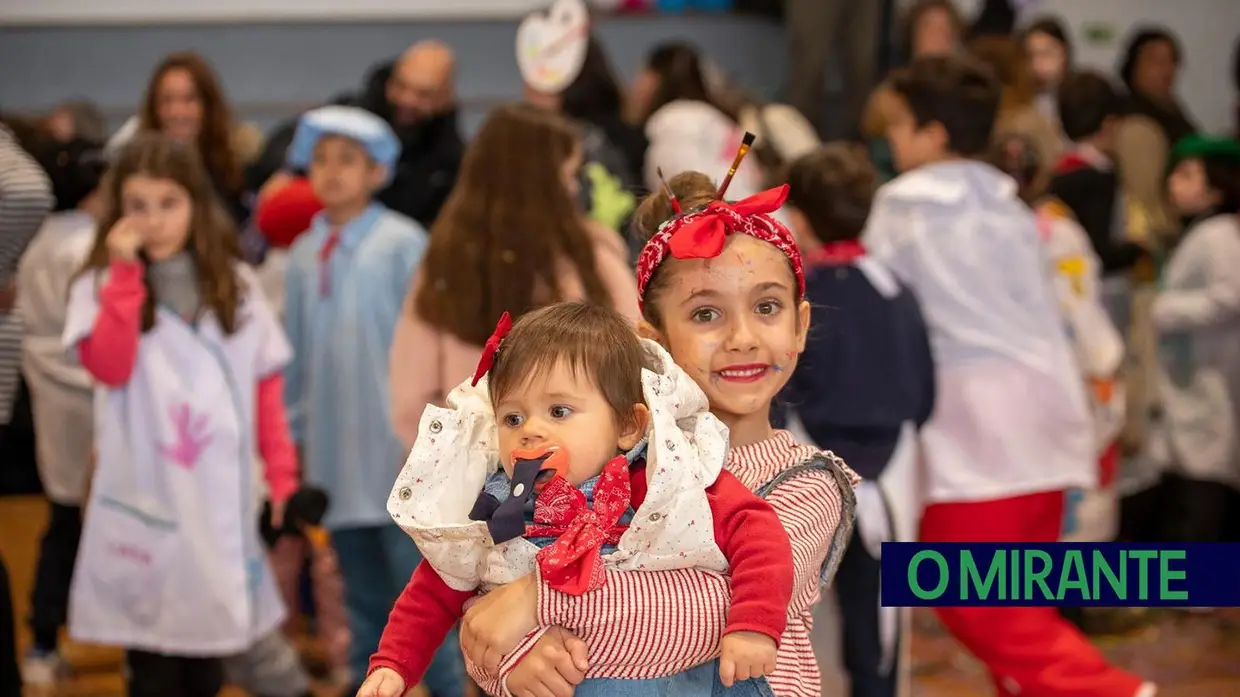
(734, 324)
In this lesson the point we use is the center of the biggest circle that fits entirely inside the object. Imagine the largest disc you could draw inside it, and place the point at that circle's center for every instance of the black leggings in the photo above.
(158, 675)
(49, 599)
(10, 679)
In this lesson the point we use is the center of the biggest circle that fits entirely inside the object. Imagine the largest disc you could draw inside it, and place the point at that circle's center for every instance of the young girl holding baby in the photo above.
(609, 460)
(722, 290)
(187, 356)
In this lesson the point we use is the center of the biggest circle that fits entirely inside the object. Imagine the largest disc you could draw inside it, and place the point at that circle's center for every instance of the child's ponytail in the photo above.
(691, 189)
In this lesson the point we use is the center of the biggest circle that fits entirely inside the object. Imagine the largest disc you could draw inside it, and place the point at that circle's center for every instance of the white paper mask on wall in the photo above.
(551, 45)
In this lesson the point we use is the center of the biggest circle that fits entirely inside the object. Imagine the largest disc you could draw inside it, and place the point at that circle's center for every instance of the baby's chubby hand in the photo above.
(745, 655)
(384, 682)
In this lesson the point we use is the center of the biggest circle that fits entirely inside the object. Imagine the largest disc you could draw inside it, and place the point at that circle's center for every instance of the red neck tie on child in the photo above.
(325, 262)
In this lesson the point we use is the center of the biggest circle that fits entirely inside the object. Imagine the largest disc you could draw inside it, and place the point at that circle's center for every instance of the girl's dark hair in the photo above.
(1223, 174)
(212, 242)
(682, 76)
(595, 93)
(1140, 38)
(507, 224)
(215, 135)
(1052, 27)
(593, 340)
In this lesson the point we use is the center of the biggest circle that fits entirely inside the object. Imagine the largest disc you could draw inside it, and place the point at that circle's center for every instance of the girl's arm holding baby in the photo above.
(502, 629)
(759, 556)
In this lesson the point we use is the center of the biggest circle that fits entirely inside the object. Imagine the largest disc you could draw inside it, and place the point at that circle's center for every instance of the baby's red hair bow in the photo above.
(492, 346)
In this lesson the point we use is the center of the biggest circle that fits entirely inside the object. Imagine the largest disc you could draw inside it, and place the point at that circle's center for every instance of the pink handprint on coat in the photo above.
(191, 436)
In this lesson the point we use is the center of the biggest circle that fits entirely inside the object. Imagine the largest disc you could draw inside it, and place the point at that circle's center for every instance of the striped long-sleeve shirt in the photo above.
(647, 625)
(25, 199)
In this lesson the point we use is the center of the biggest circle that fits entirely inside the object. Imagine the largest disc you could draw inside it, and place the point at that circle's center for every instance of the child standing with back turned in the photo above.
(346, 281)
(864, 386)
(187, 356)
(954, 229)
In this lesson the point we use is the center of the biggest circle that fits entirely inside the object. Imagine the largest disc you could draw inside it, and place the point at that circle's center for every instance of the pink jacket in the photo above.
(427, 363)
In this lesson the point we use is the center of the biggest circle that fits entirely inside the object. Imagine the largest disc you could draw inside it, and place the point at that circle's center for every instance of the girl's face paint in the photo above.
(733, 323)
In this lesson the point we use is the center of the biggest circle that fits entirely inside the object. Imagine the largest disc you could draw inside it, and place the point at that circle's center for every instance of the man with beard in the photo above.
(415, 94)
(419, 102)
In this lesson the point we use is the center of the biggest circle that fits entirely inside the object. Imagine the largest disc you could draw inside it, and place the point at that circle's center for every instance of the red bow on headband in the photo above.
(704, 234)
(492, 346)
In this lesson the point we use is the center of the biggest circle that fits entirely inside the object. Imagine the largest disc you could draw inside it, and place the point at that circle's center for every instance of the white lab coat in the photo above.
(957, 234)
(1197, 316)
(170, 559)
(1091, 514)
(60, 388)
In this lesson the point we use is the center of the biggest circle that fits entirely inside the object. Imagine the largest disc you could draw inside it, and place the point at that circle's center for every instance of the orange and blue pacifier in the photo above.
(552, 459)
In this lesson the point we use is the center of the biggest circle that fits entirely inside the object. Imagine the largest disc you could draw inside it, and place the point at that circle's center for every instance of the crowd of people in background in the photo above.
(999, 222)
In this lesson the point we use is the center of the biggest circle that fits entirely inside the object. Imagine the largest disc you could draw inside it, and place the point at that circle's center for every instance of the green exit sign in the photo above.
(1098, 34)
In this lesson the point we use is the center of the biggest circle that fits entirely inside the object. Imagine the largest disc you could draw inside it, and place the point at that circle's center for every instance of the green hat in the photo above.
(1206, 147)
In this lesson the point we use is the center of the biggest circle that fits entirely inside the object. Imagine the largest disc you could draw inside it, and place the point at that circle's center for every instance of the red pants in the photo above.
(1031, 652)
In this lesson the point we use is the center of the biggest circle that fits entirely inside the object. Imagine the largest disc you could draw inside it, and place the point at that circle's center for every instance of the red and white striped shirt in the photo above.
(655, 624)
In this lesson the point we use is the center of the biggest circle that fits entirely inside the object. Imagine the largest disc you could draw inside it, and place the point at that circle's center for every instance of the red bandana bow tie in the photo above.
(573, 564)
(492, 347)
(702, 235)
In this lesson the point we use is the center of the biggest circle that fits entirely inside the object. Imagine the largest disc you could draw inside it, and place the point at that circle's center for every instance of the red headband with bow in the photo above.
(492, 347)
(702, 234)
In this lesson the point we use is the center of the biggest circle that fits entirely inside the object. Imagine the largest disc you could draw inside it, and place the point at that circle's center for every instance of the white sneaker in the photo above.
(41, 669)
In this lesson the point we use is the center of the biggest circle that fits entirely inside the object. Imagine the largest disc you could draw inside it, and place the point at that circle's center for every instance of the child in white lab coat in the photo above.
(1197, 316)
(187, 356)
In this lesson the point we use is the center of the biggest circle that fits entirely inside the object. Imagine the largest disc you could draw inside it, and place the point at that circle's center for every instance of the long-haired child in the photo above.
(187, 356)
(511, 238)
(864, 386)
(722, 290)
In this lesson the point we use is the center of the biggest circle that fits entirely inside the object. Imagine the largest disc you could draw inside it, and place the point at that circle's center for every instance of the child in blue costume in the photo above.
(346, 281)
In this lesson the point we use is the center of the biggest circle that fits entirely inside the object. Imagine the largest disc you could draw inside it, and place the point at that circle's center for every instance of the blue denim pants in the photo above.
(376, 563)
(702, 681)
